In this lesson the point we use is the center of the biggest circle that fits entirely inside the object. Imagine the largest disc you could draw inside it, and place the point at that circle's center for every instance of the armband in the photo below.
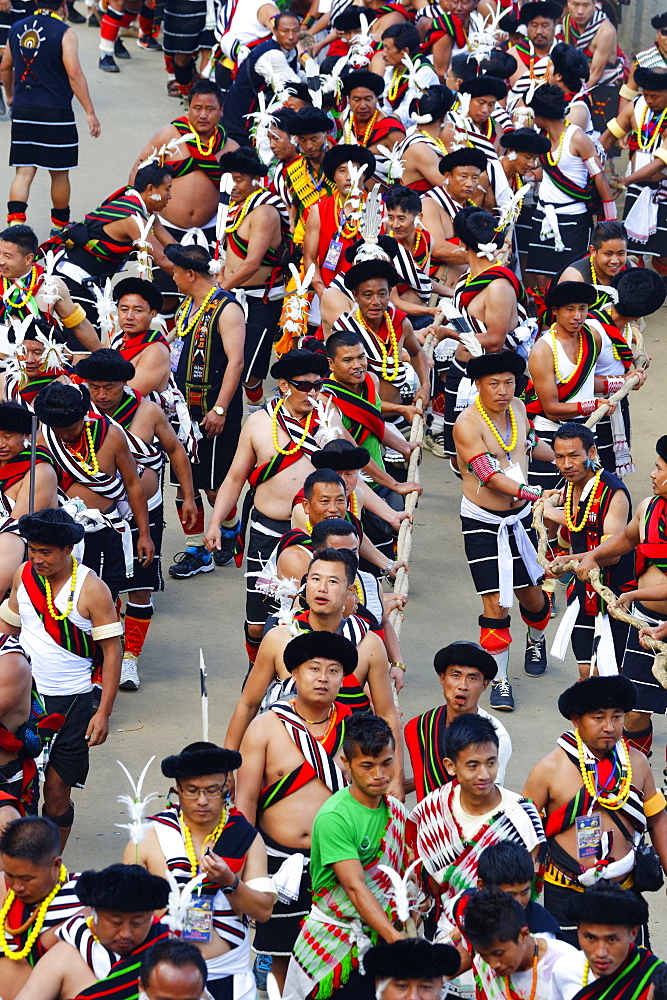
(661, 154)
(484, 466)
(615, 129)
(655, 804)
(8, 615)
(593, 166)
(609, 210)
(604, 538)
(263, 884)
(110, 631)
(75, 317)
(529, 492)
(613, 384)
(531, 440)
(627, 93)
(396, 663)
(586, 407)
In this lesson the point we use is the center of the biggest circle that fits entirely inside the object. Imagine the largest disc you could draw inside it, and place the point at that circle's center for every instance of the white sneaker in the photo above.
(129, 675)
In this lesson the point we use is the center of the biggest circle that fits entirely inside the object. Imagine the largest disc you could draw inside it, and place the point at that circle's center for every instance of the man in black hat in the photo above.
(305, 181)
(562, 221)
(465, 671)
(596, 793)
(35, 886)
(101, 953)
(645, 117)
(291, 766)
(482, 130)
(646, 536)
(532, 53)
(412, 966)
(138, 303)
(385, 331)
(273, 456)
(523, 147)
(491, 437)
(97, 472)
(366, 123)
(333, 225)
(151, 439)
(208, 353)
(221, 844)
(61, 610)
(253, 246)
(609, 921)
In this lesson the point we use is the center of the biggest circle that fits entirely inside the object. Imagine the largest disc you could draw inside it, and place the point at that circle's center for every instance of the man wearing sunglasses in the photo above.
(273, 455)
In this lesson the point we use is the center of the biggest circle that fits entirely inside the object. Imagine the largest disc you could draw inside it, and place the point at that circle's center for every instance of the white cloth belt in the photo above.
(195, 237)
(613, 870)
(505, 561)
(355, 930)
(550, 228)
(287, 880)
(465, 394)
(641, 221)
(73, 271)
(604, 655)
(94, 520)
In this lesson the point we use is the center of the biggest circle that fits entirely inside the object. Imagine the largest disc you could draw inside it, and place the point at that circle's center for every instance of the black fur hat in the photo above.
(650, 79)
(298, 362)
(125, 888)
(540, 8)
(200, 758)
(594, 693)
(363, 78)
(484, 86)
(467, 654)
(283, 119)
(525, 140)
(243, 161)
(190, 258)
(369, 269)
(15, 419)
(105, 365)
(608, 905)
(344, 152)
(350, 18)
(137, 286)
(37, 326)
(549, 102)
(661, 447)
(496, 364)
(58, 405)
(659, 21)
(329, 645)
(640, 292)
(308, 120)
(411, 958)
(466, 156)
(386, 243)
(340, 458)
(567, 292)
(52, 526)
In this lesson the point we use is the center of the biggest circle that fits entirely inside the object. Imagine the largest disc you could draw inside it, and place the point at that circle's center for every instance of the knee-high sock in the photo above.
(536, 621)
(254, 392)
(109, 28)
(146, 19)
(16, 212)
(195, 534)
(495, 638)
(640, 740)
(137, 620)
(251, 644)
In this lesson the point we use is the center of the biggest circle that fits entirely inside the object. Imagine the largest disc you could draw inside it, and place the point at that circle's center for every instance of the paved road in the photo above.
(207, 611)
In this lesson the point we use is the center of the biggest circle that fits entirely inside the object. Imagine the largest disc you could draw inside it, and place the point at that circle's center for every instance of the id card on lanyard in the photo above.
(333, 254)
(198, 923)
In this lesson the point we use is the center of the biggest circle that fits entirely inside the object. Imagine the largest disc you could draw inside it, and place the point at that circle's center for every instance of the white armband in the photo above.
(9, 616)
(99, 632)
(263, 884)
(593, 166)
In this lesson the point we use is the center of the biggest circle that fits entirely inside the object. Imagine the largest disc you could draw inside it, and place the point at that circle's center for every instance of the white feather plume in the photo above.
(168, 150)
(399, 889)
(313, 80)
(411, 73)
(481, 40)
(296, 303)
(327, 431)
(106, 308)
(395, 164)
(136, 806)
(332, 82)
(144, 260)
(369, 227)
(513, 207)
(49, 290)
(179, 901)
(361, 46)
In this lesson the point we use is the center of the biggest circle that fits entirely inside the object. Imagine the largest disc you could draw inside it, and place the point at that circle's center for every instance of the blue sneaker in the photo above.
(225, 554)
(194, 560)
(261, 969)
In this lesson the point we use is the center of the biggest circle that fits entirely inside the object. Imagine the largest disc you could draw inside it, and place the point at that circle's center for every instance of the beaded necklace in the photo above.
(50, 13)
(645, 143)
(95, 467)
(554, 344)
(351, 129)
(354, 506)
(395, 83)
(189, 846)
(241, 212)
(437, 140)
(70, 602)
(385, 354)
(569, 512)
(180, 332)
(332, 717)
(588, 768)
(594, 277)
(496, 433)
(274, 431)
(28, 290)
(554, 158)
(89, 925)
(586, 973)
(36, 919)
(200, 148)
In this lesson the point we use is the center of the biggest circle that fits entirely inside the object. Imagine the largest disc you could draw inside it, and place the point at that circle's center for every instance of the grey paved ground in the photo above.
(208, 611)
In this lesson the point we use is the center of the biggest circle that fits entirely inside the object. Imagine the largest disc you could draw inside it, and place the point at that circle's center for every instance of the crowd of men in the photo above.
(370, 220)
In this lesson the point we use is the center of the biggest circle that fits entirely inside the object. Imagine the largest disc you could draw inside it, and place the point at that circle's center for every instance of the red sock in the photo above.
(640, 740)
(111, 24)
(251, 644)
(137, 619)
(145, 25)
(198, 526)
(254, 393)
(128, 18)
(169, 64)
(537, 619)
(494, 634)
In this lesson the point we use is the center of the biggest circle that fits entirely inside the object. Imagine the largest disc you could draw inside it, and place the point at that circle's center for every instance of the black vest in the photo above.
(36, 46)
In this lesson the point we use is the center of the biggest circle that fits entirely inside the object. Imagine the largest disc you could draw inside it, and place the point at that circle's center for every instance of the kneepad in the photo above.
(494, 634)
(65, 820)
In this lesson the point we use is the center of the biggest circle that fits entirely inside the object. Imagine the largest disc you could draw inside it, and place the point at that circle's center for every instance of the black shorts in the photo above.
(103, 553)
(11, 783)
(261, 325)
(480, 542)
(69, 754)
(147, 577)
(215, 455)
(278, 935)
(637, 664)
(264, 533)
(184, 27)
(455, 373)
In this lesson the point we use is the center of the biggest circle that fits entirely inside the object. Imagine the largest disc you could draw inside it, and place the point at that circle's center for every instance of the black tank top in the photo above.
(36, 46)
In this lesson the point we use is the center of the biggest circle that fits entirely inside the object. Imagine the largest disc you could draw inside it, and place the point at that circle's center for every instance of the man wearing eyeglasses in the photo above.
(205, 834)
(273, 455)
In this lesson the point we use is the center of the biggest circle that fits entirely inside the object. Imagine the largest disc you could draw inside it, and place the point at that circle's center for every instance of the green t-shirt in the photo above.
(344, 830)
